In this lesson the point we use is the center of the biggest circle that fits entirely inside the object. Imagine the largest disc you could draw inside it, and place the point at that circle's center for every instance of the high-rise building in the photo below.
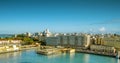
(69, 41)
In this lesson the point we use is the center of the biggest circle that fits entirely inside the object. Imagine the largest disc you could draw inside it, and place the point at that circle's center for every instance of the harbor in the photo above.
(59, 31)
(47, 50)
(30, 56)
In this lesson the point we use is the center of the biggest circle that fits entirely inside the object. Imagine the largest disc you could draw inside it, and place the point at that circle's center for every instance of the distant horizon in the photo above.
(19, 16)
(62, 32)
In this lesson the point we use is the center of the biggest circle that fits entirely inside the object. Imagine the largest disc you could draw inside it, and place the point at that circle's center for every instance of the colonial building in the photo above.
(112, 41)
(101, 48)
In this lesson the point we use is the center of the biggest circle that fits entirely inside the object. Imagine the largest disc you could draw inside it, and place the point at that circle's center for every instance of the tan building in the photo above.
(101, 48)
(112, 41)
(97, 40)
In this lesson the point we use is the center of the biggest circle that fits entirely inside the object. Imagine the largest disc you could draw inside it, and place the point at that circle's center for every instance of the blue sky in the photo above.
(18, 16)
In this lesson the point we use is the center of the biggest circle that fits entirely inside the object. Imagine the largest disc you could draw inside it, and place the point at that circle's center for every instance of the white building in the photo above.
(69, 41)
(53, 41)
(9, 42)
(47, 33)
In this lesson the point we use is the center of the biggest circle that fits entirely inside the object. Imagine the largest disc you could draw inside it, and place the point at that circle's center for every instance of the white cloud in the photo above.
(102, 29)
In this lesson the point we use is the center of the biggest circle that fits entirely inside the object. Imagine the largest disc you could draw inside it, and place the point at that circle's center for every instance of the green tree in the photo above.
(27, 41)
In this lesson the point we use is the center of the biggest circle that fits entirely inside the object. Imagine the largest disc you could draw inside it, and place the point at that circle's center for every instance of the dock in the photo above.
(96, 53)
(55, 51)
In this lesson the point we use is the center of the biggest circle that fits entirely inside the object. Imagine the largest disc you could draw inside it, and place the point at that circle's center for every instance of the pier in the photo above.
(50, 51)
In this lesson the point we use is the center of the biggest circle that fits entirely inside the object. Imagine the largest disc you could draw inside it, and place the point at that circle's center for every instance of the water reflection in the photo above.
(118, 60)
(72, 55)
(31, 57)
(53, 56)
(64, 54)
(10, 55)
(86, 58)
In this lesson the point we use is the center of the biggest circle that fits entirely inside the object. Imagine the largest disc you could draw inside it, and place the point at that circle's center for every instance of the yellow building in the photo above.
(101, 48)
(112, 41)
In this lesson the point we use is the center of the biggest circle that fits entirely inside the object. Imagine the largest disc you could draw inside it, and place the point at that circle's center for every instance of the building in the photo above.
(46, 33)
(101, 48)
(28, 34)
(53, 41)
(69, 40)
(10, 42)
(10, 45)
(112, 41)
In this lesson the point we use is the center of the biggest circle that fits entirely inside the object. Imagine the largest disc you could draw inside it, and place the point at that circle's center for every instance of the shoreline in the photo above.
(100, 53)
(97, 53)
(27, 47)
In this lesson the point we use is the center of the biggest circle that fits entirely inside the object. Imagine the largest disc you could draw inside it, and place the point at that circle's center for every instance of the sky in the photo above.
(19, 16)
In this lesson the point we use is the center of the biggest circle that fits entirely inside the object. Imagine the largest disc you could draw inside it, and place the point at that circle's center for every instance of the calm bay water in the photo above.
(29, 56)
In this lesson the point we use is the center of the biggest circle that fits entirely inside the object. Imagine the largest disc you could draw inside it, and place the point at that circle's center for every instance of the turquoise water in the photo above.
(29, 56)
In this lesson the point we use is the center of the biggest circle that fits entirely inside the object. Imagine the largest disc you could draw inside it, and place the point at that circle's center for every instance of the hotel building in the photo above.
(69, 41)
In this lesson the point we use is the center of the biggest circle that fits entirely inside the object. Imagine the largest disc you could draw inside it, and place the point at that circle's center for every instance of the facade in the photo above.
(69, 40)
(53, 41)
(107, 41)
(9, 42)
(64, 40)
(9, 45)
(101, 48)
(98, 41)
(112, 41)
(4, 42)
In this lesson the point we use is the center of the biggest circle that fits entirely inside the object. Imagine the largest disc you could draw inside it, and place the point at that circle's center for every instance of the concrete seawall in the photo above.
(97, 53)
(52, 51)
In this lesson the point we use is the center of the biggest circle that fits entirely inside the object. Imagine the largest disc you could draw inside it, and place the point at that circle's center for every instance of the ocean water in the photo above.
(30, 56)
(6, 35)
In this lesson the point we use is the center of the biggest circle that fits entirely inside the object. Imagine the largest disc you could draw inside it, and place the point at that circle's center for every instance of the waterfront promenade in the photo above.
(51, 50)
